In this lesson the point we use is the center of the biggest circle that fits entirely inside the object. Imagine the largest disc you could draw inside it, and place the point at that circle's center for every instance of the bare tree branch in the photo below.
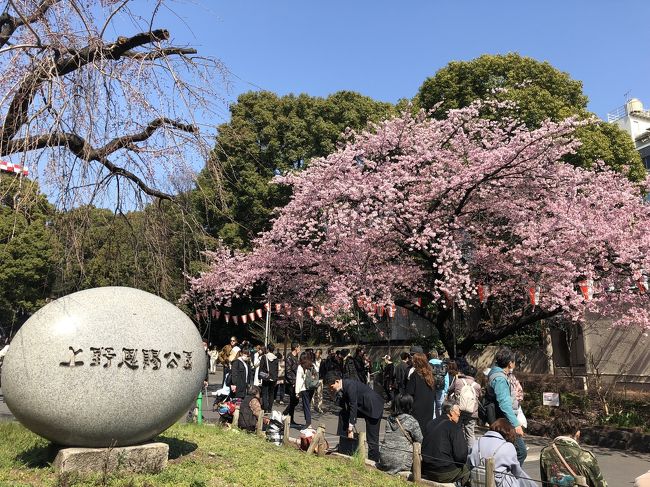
(9, 23)
(84, 151)
(153, 55)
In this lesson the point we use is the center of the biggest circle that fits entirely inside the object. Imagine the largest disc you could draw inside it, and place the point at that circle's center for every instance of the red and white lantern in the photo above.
(534, 295)
(587, 289)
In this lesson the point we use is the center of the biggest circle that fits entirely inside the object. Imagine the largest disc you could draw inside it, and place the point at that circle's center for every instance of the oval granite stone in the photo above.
(110, 366)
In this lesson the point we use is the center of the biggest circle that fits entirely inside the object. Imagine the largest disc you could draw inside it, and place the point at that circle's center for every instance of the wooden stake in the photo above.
(259, 430)
(417, 462)
(490, 481)
(315, 441)
(287, 427)
(362, 446)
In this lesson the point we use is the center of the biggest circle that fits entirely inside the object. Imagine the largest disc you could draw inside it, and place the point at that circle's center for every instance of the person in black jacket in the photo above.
(269, 366)
(290, 369)
(444, 449)
(401, 373)
(241, 374)
(357, 400)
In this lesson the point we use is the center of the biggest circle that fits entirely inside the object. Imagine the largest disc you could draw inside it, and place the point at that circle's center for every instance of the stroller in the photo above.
(224, 405)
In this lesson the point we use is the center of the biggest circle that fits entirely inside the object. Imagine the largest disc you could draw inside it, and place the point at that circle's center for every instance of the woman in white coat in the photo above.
(498, 443)
(303, 390)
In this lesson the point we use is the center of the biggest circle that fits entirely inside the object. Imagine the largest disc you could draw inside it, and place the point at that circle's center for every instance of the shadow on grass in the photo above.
(39, 456)
(177, 447)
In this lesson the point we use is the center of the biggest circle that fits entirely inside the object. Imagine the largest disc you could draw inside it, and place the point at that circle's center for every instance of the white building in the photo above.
(632, 118)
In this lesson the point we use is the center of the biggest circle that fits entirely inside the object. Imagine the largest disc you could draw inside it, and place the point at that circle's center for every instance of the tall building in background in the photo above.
(635, 120)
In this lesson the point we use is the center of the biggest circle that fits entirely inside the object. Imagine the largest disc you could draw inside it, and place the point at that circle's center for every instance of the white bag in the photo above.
(522, 418)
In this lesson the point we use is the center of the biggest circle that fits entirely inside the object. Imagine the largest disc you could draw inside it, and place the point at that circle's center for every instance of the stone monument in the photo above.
(104, 368)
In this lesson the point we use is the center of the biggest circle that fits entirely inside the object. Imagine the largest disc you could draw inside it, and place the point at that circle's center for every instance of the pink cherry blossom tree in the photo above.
(415, 207)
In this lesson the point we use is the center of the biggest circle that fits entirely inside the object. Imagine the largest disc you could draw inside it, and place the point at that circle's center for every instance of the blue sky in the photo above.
(386, 49)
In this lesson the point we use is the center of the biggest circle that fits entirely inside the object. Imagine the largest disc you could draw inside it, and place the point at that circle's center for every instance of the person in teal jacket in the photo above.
(498, 393)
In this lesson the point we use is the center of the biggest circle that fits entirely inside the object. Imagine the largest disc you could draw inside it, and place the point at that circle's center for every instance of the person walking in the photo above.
(349, 367)
(290, 370)
(357, 400)
(564, 461)
(402, 430)
(224, 357)
(241, 374)
(318, 394)
(421, 387)
(306, 383)
(441, 379)
(465, 391)
(269, 373)
(401, 373)
(499, 399)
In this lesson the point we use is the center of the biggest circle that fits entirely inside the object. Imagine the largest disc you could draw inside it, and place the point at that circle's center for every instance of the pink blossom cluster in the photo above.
(421, 207)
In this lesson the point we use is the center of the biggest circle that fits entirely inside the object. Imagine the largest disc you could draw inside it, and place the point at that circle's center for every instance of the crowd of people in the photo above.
(432, 401)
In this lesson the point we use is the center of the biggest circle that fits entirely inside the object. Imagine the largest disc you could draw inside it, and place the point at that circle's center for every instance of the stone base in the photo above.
(147, 458)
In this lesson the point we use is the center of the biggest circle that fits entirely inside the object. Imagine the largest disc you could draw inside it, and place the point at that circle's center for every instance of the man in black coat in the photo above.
(357, 400)
(444, 449)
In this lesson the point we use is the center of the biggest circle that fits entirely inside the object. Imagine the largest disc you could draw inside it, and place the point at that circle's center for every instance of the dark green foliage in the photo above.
(268, 133)
(541, 92)
(27, 250)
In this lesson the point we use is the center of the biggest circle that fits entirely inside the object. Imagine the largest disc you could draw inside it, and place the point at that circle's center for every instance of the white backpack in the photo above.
(467, 398)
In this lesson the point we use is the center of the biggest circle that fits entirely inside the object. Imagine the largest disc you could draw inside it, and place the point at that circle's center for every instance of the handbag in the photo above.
(348, 446)
(580, 480)
(262, 374)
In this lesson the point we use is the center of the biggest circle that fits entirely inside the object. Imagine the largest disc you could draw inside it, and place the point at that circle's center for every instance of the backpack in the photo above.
(467, 398)
(439, 374)
(311, 379)
(477, 473)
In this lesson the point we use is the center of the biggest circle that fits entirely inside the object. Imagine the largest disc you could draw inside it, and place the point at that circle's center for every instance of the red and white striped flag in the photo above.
(244, 318)
(251, 316)
(258, 312)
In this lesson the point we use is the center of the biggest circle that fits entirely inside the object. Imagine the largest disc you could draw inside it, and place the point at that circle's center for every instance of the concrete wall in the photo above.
(621, 353)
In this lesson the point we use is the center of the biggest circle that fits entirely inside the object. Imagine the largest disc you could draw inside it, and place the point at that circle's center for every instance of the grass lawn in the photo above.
(199, 456)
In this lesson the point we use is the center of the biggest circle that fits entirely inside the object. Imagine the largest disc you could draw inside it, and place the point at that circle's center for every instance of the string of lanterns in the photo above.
(534, 293)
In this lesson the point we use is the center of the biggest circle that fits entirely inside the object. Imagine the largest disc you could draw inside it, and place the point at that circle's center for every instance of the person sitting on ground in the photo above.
(250, 409)
(357, 400)
(565, 459)
(444, 449)
(499, 443)
(402, 430)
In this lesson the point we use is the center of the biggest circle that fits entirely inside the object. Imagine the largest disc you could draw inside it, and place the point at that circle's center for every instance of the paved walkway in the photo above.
(619, 468)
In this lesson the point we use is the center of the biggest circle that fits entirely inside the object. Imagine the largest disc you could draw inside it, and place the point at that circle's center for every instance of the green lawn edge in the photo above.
(200, 456)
